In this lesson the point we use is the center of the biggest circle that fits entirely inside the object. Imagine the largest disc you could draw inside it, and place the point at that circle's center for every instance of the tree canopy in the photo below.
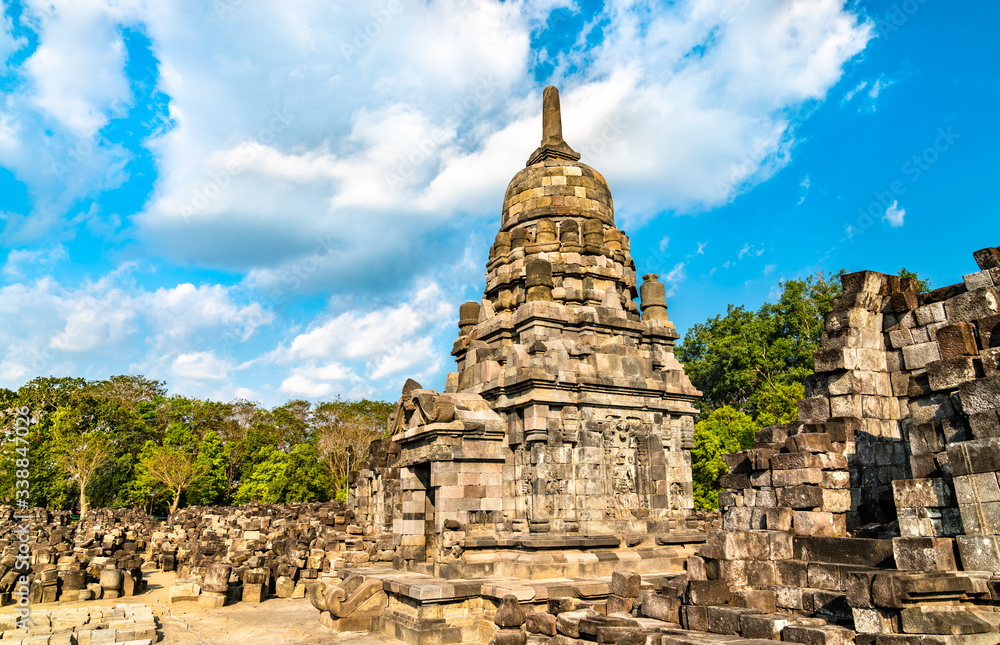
(125, 441)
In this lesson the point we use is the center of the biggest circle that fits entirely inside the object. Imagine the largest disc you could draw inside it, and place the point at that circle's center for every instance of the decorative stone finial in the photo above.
(653, 298)
(553, 146)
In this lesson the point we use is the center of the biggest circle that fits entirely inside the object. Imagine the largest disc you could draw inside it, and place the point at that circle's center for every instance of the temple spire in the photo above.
(552, 146)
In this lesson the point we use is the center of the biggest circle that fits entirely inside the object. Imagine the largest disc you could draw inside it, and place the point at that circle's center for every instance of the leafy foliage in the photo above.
(751, 366)
(132, 444)
(723, 431)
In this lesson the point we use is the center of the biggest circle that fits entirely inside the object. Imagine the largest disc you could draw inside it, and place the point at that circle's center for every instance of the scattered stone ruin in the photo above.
(545, 496)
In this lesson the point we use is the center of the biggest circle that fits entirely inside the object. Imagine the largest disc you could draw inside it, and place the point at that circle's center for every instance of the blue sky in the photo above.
(282, 200)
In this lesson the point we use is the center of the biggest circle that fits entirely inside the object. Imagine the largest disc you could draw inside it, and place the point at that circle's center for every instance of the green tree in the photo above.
(344, 430)
(297, 476)
(81, 454)
(925, 285)
(211, 487)
(723, 431)
(734, 357)
(176, 468)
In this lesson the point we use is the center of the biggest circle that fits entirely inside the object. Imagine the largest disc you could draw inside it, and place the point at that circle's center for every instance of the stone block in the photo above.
(950, 373)
(568, 623)
(783, 478)
(836, 500)
(958, 339)
(817, 635)
(694, 618)
(924, 554)
(809, 442)
(875, 620)
(980, 395)
(934, 492)
(660, 607)
(708, 592)
(818, 523)
(217, 578)
(254, 592)
(726, 620)
(926, 620)
(541, 622)
(183, 590)
(988, 258)
(800, 497)
(211, 599)
(976, 456)
(990, 358)
(972, 305)
(625, 584)
(985, 425)
(816, 408)
(917, 356)
(979, 552)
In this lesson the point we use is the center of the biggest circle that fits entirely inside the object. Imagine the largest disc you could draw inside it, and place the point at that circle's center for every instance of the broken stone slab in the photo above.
(949, 620)
(183, 590)
(979, 552)
(568, 622)
(924, 553)
(626, 584)
(211, 599)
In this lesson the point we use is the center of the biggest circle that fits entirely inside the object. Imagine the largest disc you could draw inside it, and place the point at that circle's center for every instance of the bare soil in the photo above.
(276, 620)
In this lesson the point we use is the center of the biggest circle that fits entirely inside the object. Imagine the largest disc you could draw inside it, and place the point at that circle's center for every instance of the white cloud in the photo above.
(386, 341)
(664, 243)
(851, 93)
(302, 158)
(8, 43)
(180, 311)
(673, 278)
(23, 262)
(315, 381)
(200, 366)
(101, 327)
(894, 215)
(383, 145)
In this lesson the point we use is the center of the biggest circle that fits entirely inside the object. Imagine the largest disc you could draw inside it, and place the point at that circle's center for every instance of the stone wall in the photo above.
(879, 509)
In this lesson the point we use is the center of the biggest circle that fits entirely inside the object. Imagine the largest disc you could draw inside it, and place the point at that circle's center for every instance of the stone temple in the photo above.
(569, 414)
(560, 448)
(545, 496)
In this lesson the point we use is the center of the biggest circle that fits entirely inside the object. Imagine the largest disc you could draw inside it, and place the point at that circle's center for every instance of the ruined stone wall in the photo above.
(879, 509)
(902, 381)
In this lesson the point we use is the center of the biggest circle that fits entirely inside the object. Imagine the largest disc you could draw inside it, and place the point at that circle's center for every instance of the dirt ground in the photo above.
(276, 620)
